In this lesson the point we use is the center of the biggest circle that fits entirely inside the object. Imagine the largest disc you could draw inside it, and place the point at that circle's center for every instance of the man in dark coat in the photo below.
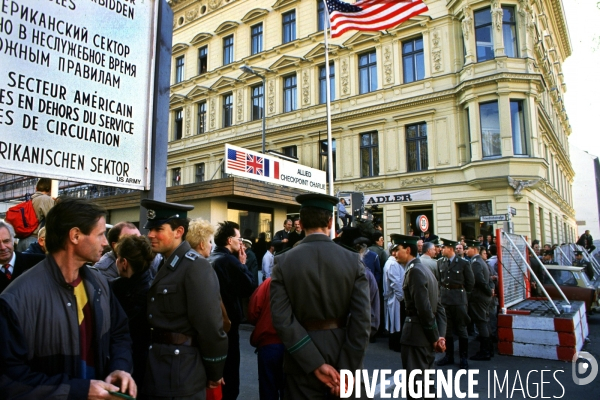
(64, 334)
(296, 235)
(235, 282)
(425, 324)
(479, 300)
(281, 239)
(189, 346)
(456, 280)
(320, 305)
(13, 263)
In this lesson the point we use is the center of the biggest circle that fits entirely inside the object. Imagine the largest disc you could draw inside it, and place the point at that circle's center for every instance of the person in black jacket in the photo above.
(13, 263)
(134, 256)
(235, 281)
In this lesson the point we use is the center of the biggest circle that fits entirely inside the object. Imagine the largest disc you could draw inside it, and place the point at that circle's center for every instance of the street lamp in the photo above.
(249, 70)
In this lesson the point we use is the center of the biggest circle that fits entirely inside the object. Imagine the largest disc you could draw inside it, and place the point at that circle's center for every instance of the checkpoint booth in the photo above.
(536, 327)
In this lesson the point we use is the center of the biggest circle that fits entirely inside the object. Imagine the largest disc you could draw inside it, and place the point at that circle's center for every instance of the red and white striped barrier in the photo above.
(542, 335)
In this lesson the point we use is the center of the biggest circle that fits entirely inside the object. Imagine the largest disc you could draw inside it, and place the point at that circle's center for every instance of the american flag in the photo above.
(371, 15)
(236, 160)
(255, 165)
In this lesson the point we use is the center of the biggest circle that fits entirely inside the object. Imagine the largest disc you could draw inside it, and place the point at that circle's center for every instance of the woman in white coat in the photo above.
(393, 278)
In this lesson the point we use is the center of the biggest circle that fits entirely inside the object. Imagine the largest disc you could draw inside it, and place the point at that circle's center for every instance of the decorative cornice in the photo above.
(201, 37)
(369, 186)
(418, 181)
(282, 3)
(254, 14)
(226, 26)
(179, 48)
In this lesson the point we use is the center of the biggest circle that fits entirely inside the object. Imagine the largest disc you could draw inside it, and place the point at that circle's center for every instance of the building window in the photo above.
(490, 129)
(321, 15)
(369, 154)
(509, 32)
(367, 72)
(178, 124)
(258, 102)
(176, 173)
(413, 60)
(416, 147)
(201, 117)
(257, 38)
(289, 93)
(179, 62)
(228, 50)
(323, 83)
(223, 174)
(483, 35)
(290, 151)
(202, 60)
(517, 121)
(200, 172)
(227, 110)
(323, 164)
(468, 219)
(289, 26)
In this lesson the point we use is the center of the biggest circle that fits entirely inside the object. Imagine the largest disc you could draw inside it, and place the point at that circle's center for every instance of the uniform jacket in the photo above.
(319, 280)
(184, 298)
(481, 290)
(40, 334)
(455, 272)
(23, 261)
(426, 318)
(235, 281)
(588, 269)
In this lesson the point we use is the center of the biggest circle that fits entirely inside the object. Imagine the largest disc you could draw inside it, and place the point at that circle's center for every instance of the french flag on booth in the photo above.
(271, 168)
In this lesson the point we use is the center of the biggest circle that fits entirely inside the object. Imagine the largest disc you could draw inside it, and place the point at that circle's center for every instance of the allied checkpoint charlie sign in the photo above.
(76, 89)
(250, 164)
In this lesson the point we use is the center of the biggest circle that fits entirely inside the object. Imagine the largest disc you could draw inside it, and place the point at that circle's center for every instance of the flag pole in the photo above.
(328, 108)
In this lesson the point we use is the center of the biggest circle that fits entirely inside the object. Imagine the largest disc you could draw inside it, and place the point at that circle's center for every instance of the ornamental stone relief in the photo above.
(345, 77)
(240, 105)
(388, 65)
(369, 186)
(419, 180)
(497, 14)
(436, 51)
(191, 15)
(188, 120)
(306, 87)
(466, 22)
(214, 4)
(212, 113)
(271, 97)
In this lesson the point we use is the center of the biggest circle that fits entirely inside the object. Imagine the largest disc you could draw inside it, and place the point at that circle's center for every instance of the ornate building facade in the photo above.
(459, 110)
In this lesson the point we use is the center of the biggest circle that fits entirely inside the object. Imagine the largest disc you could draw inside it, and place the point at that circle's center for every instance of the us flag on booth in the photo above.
(236, 160)
(371, 15)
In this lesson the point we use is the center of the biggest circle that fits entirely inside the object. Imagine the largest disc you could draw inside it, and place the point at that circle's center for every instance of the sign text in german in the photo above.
(76, 89)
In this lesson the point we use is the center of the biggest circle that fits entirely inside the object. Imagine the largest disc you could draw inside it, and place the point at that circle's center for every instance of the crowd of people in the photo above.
(158, 316)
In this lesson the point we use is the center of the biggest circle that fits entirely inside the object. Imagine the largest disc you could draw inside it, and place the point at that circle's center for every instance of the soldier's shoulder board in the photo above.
(192, 255)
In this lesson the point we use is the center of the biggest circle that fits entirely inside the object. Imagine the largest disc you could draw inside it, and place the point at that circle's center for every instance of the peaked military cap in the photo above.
(579, 253)
(403, 239)
(317, 200)
(436, 242)
(161, 212)
(472, 243)
(448, 242)
(549, 253)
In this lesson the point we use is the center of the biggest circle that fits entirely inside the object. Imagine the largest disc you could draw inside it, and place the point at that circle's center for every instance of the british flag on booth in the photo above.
(255, 165)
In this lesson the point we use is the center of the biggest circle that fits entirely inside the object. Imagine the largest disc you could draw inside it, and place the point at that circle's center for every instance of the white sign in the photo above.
(493, 218)
(255, 165)
(76, 89)
(396, 197)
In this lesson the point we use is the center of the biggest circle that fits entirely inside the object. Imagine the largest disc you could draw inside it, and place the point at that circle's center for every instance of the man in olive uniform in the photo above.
(479, 300)
(320, 305)
(425, 324)
(580, 262)
(189, 346)
(456, 280)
